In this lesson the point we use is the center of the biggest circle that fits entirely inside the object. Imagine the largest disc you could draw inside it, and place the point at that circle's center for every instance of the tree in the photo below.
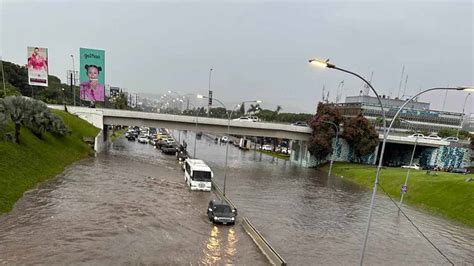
(16, 108)
(275, 113)
(120, 101)
(33, 114)
(254, 108)
(36, 118)
(242, 109)
(321, 138)
(360, 134)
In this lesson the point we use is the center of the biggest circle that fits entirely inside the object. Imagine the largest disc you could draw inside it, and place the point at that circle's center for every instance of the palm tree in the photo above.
(254, 108)
(275, 113)
(17, 108)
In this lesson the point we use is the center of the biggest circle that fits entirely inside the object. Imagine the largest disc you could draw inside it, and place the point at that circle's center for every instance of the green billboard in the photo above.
(92, 74)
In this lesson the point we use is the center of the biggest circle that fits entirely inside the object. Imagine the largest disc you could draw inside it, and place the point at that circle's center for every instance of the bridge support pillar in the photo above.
(299, 153)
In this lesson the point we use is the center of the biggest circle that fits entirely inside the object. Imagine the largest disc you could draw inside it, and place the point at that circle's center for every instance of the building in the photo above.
(418, 114)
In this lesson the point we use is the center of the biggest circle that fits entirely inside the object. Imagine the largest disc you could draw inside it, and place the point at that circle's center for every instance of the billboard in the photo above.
(92, 74)
(114, 92)
(37, 66)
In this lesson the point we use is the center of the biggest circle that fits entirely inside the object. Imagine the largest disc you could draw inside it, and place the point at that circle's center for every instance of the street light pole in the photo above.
(229, 115)
(376, 182)
(210, 93)
(335, 146)
(404, 188)
(386, 131)
(3, 79)
(462, 117)
(73, 80)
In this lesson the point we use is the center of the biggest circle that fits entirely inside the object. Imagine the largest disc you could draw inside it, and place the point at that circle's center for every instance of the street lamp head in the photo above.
(169, 91)
(466, 88)
(259, 101)
(321, 63)
(199, 96)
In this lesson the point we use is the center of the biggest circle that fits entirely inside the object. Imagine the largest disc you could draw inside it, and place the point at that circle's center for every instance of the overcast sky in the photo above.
(258, 49)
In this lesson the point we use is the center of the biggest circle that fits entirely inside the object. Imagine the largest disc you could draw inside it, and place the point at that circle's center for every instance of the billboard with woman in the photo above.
(92, 75)
(37, 66)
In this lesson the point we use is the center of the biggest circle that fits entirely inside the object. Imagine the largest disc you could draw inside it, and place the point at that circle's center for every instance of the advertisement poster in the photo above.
(92, 75)
(37, 66)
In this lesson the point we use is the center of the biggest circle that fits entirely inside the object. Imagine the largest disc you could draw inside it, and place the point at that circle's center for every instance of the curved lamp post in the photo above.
(334, 149)
(462, 118)
(404, 187)
(229, 115)
(385, 134)
(386, 131)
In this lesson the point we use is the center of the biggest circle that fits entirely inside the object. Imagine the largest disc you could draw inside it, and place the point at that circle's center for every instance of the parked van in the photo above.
(198, 175)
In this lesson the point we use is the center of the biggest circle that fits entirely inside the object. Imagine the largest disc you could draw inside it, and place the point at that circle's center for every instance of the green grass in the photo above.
(276, 154)
(35, 160)
(444, 194)
(117, 134)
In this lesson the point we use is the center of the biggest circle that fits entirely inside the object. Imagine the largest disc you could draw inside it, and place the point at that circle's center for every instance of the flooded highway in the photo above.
(131, 206)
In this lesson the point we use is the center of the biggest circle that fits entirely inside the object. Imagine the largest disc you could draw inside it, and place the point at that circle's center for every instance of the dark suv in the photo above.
(219, 211)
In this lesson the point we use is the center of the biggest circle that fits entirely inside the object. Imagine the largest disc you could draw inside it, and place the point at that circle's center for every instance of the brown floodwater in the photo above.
(131, 206)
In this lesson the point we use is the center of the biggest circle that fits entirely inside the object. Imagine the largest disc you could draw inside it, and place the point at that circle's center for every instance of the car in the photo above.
(300, 124)
(412, 166)
(142, 139)
(170, 149)
(460, 171)
(433, 137)
(284, 150)
(244, 118)
(451, 139)
(219, 211)
(130, 137)
(224, 139)
(267, 147)
(417, 135)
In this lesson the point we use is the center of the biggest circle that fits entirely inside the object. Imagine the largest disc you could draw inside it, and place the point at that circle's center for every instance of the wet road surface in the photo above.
(132, 206)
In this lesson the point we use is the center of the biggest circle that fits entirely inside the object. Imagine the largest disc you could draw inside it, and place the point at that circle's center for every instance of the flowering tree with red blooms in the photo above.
(321, 139)
(361, 135)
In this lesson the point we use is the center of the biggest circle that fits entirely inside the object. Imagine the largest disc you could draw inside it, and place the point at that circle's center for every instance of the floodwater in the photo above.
(132, 206)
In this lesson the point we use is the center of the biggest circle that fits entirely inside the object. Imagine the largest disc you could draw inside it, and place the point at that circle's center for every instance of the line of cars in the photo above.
(159, 138)
(434, 137)
(416, 166)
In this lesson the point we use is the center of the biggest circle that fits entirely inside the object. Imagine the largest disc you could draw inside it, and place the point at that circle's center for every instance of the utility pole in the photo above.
(401, 80)
(3, 79)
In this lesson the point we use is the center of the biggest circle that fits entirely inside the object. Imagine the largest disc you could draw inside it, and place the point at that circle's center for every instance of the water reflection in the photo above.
(220, 247)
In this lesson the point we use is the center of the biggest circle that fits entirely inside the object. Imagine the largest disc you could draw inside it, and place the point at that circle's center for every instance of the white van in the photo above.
(198, 175)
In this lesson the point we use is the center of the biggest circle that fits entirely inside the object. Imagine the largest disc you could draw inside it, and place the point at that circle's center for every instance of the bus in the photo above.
(198, 175)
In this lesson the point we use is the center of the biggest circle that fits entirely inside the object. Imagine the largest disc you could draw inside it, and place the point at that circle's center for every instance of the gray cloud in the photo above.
(259, 50)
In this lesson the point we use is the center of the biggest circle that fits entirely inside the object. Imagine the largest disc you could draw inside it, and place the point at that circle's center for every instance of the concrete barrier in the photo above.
(263, 244)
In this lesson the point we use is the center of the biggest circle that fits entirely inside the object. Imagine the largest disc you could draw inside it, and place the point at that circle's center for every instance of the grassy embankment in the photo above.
(35, 160)
(445, 194)
(115, 135)
(276, 154)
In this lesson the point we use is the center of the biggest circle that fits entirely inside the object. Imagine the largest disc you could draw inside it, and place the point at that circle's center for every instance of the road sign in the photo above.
(404, 189)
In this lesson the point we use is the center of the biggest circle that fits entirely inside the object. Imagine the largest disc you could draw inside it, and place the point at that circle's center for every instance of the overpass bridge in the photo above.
(299, 135)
